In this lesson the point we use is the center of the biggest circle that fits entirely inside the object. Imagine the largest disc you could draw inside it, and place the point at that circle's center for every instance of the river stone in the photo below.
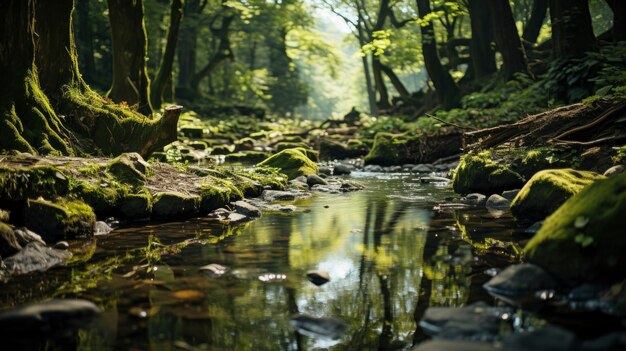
(423, 168)
(475, 199)
(497, 202)
(34, 257)
(135, 206)
(318, 277)
(246, 209)
(518, 284)
(4, 216)
(25, 236)
(174, 205)
(329, 328)
(584, 239)
(8, 241)
(474, 322)
(434, 179)
(59, 220)
(549, 189)
(101, 228)
(292, 162)
(478, 173)
(325, 170)
(613, 171)
(61, 245)
(373, 168)
(46, 317)
(236, 218)
(278, 195)
(341, 169)
(314, 179)
(510, 194)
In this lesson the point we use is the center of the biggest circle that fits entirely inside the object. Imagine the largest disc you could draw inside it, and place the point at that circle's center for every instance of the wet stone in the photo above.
(324, 170)
(318, 277)
(214, 269)
(246, 209)
(519, 284)
(434, 180)
(510, 194)
(474, 199)
(54, 316)
(314, 179)
(34, 257)
(498, 202)
(341, 169)
(373, 168)
(25, 236)
(101, 228)
(61, 245)
(615, 170)
(324, 327)
(277, 195)
(423, 168)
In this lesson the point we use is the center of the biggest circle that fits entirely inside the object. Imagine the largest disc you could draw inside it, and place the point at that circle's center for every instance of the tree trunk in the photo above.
(507, 39)
(397, 83)
(187, 47)
(379, 83)
(618, 31)
(28, 122)
(163, 76)
(84, 37)
(223, 52)
(371, 93)
(537, 18)
(447, 90)
(482, 54)
(572, 33)
(128, 34)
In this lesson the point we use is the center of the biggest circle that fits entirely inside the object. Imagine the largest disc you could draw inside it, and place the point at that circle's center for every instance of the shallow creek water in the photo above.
(389, 256)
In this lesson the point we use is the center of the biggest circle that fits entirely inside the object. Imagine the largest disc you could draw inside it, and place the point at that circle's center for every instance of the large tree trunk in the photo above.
(28, 122)
(128, 34)
(84, 37)
(371, 93)
(507, 39)
(482, 54)
(572, 33)
(163, 76)
(187, 47)
(618, 31)
(379, 84)
(447, 90)
(537, 18)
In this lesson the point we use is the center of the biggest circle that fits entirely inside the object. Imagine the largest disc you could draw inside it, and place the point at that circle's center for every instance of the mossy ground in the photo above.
(584, 239)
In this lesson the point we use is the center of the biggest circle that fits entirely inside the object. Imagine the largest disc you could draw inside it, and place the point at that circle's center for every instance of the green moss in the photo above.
(384, 152)
(266, 177)
(216, 193)
(102, 196)
(59, 220)
(584, 239)
(126, 170)
(135, 206)
(171, 205)
(17, 184)
(283, 145)
(548, 190)
(477, 172)
(292, 162)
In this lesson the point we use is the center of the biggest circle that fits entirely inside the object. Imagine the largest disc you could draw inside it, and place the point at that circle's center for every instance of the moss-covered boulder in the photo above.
(59, 220)
(8, 242)
(547, 190)
(292, 162)
(171, 205)
(101, 195)
(19, 183)
(135, 206)
(478, 173)
(385, 151)
(129, 168)
(584, 239)
(336, 150)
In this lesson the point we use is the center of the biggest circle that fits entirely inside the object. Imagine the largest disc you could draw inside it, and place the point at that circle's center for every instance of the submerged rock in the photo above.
(322, 327)
(292, 162)
(519, 284)
(478, 173)
(584, 239)
(59, 220)
(549, 189)
(46, 317)
(214, 269)
(33, 257)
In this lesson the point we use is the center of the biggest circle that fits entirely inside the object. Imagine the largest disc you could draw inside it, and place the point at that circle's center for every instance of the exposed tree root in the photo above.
(581, 124)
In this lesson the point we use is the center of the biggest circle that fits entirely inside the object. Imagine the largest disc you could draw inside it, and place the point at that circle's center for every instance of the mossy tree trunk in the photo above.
(163, 77)
(129, 39)
(447, 90)
(482, 53)
(572, 33)
(537, 18)
(507, 38)
(28, 121)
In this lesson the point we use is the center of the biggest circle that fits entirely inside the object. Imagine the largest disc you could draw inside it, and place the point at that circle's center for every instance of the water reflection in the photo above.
(387, 256)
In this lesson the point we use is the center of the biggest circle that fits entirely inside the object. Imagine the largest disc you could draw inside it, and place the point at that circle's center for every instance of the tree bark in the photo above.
(224, 52)
(188, 46)
(447, 90)
(84, 37)
(482, 53)
(379, 83)
(371, 93)
(395, 81)
(508, 42)
(163, 76)
(128, 34)
(618, 31)
(572, 33)
(536, 21)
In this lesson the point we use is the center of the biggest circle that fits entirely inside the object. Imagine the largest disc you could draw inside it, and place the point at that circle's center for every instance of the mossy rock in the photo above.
(548, 190)
(129, 168)
(135, 206)
(292, 162)
(59, 220)
(311, 154)
(478, 173)
(18, 184)
(384, 152)
(584, 239)
(170, 205)
(284, 145)
(102, 196)
(246, 157)
(245, 144)
(335, 150)
(217, 194)
(8, 242)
